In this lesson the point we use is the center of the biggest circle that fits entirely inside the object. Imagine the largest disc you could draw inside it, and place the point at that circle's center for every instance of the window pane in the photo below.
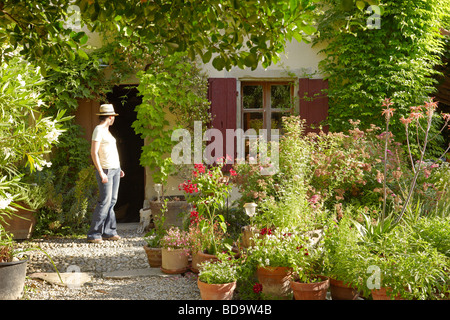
(280, 96)
(254, 120)
(252, 97)
(276, 120)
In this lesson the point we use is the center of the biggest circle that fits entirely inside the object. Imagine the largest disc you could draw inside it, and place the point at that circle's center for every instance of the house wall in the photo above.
(300, 60)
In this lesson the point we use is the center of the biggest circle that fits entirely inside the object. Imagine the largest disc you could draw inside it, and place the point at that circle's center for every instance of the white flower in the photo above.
(4, 202)
(267, 262)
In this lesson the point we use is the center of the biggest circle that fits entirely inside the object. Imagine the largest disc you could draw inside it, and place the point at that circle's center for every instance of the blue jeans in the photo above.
(103, 223)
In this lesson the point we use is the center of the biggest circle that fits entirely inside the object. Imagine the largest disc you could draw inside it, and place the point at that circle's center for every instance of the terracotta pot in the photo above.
(200, 257)
(174, 261)
(216, 291)
(154, 256)
(275, 282)
(384, 294)
(342, 291)
(311, 291)
(22, 225)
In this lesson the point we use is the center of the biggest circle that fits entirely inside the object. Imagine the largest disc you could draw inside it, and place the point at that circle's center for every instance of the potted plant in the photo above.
(13, 267)
(308, 281)
(175, 249)
(340, 241)
(409, 267)
(153, 246)
(199, 243)
(275, 255)
(21, 221)
(217, 279)
(207, 191)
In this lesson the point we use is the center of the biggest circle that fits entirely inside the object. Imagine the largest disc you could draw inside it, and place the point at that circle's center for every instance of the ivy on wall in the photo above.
(368, 60)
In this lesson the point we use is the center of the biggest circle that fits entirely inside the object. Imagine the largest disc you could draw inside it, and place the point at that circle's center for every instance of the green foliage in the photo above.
(228, 30)
(367, 65)
(174, 86)
(69, 204)
(224, 270)
(26, 136)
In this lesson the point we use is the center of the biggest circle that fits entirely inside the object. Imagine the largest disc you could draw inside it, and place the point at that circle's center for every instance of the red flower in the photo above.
(194, 217)
(257, 288)
(266, 231)
(188, 187)
(233, 173)
(200, 167)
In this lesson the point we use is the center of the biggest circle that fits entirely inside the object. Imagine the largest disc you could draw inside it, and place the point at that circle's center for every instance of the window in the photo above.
(264, 104)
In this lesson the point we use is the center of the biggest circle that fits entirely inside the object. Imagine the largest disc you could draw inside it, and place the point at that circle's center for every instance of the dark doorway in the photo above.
(132, 185)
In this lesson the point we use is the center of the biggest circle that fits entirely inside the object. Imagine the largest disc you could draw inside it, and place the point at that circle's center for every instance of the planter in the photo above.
(21, 225)
(174, 261)
(174, 214)
(154, 256)
(384, 294)
(249, 232)
(216, 291)
(342, 291)
(275, 282)
(311, 291)
(200, 257)
(12, 279)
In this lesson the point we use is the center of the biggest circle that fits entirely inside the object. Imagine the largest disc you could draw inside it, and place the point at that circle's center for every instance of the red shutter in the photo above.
(222, 93)
(313, 102)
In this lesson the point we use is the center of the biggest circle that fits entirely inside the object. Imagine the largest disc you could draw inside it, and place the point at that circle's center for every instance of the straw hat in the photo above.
(107, 110)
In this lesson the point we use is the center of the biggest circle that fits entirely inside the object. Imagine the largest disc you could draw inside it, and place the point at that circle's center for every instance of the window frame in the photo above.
(267, 105)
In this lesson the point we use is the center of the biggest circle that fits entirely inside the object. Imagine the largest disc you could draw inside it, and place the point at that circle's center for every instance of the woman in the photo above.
(106, 160)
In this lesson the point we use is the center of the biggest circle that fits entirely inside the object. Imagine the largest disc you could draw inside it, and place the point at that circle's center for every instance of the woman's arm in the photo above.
(95, 146)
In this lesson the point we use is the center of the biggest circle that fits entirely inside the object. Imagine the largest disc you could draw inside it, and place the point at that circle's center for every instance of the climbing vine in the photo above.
(367, 63)
(170, 86)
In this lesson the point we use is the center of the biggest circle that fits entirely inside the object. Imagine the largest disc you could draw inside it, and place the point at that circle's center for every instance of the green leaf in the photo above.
(361, 5)
(207, 56)
(84, 39)
(82, 54)
(218, 63)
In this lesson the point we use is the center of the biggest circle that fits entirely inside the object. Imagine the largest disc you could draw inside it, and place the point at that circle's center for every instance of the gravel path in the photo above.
(99, 260)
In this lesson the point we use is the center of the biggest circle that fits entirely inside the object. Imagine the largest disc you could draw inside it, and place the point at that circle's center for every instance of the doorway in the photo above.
(132, 185)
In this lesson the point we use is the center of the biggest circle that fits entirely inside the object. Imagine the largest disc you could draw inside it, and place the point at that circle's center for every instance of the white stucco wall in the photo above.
(300, 59)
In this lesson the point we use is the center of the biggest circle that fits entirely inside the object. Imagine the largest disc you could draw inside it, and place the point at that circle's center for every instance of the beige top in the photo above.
(107, 153)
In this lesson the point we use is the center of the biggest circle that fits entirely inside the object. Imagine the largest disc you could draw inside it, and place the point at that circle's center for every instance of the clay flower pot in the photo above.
(200, 257)
(275, 282)
(342, 291)
(174, 261)
(154, 256)
(216, 291)
(384, 294)
(311, 291)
